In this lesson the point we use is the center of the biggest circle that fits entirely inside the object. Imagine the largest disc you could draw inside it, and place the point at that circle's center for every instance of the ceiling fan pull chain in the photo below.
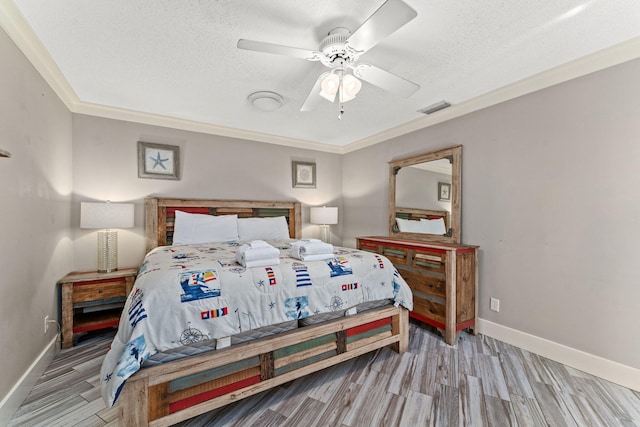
(340, 102)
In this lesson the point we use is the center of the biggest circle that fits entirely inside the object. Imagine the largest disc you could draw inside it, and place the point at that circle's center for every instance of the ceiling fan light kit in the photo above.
(340, 51)
(346, 85)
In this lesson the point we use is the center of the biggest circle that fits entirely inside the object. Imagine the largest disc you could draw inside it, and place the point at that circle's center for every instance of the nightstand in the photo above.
(92, 300)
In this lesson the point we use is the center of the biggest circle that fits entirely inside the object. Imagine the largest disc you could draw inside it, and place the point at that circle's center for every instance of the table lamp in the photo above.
(324, 216)
(106, 216)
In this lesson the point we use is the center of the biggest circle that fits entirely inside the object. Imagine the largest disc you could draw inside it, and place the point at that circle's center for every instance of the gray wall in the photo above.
(105, 168)
(418, 189)
(551, 193)
(35, 207)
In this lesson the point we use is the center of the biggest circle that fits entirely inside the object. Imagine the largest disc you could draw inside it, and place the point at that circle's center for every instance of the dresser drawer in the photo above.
(366, 245)
(429, 309)
(426, 284)
(98, 291)
(396, 255)
(429, 260)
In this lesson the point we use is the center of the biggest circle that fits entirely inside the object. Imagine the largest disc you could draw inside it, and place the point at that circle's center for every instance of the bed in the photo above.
(166, 393)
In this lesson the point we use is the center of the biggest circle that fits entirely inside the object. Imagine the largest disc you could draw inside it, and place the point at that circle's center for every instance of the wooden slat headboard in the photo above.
(160, 214)
(417, 214)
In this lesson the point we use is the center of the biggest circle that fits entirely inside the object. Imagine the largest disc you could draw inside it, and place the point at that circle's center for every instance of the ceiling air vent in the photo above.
(435, 107)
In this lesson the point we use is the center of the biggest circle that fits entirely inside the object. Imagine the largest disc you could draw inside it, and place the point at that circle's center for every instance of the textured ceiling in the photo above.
(179, 58)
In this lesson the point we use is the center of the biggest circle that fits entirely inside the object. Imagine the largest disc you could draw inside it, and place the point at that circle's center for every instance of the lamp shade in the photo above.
(324, 215)
(106, 215)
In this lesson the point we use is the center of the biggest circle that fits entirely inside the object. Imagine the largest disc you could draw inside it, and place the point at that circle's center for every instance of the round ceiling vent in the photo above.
(266, 101)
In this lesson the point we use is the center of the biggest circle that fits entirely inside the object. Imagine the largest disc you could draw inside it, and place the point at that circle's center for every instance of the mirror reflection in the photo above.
(425, 196)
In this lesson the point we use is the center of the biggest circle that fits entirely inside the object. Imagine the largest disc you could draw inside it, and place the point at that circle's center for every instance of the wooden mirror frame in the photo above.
(454, 232)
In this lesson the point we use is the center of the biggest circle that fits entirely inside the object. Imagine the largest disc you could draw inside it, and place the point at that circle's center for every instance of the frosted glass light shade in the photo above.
(350, 88)
(106, 216)
(330, 85)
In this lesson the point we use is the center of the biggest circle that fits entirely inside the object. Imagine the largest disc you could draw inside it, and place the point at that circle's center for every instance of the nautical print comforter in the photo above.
(190, 293)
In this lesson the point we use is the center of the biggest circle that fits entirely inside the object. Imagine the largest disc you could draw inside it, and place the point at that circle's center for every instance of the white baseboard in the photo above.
(595, 365)
(12, 401)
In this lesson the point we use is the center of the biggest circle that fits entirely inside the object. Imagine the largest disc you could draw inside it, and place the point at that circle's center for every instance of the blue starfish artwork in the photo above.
(158, 161)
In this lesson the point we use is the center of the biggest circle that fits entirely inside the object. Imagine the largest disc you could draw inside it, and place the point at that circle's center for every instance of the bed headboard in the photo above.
(417, 214)
(160, 214)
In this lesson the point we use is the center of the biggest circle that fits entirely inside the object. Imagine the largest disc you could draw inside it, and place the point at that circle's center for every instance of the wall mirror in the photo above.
(425, 195)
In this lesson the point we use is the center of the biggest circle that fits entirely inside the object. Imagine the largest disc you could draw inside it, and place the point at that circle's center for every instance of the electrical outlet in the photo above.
(46, 323)
(495, 304)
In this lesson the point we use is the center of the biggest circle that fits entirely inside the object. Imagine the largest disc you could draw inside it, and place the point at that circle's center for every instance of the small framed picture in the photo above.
(444, 192)
(158, 161)
(304, 174)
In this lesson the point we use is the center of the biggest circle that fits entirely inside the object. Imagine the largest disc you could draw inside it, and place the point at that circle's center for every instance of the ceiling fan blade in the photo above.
(314, 98)
(389, 17)
(384, 79)
(277, 49)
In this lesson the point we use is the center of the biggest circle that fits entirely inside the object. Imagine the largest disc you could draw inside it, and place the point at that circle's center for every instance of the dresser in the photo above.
(443, 278)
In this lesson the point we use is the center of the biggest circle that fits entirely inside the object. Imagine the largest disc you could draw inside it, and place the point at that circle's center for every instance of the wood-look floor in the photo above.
(478, 382)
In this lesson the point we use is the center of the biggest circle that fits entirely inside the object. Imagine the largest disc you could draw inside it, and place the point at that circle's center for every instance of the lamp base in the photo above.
(107, 251)
(325, 235)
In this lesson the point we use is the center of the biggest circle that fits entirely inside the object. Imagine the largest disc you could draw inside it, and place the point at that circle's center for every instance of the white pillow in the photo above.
(198, 228)
(433, 226)
(275, 228)
(409, 226)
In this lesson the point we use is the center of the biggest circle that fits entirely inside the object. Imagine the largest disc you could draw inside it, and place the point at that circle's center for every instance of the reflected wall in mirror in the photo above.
(418, 206)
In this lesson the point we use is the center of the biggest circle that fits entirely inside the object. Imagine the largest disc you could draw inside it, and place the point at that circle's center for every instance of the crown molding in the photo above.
(195, 126)
(14, 24)
(12, 21)
(597, 61)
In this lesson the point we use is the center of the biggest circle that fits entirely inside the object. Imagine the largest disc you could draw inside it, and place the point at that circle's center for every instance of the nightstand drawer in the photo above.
(425, 284)
(103, 290)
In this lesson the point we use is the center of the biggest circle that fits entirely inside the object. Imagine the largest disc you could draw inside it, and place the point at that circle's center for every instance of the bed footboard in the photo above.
(166, 394)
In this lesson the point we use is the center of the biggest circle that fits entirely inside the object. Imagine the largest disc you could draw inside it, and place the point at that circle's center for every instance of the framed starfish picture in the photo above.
(158, 161)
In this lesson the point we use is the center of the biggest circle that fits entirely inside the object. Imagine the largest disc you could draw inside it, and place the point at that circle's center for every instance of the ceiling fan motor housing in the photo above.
(335, 49)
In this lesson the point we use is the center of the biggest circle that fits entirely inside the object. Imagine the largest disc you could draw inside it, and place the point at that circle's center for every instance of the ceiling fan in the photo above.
(340, 51)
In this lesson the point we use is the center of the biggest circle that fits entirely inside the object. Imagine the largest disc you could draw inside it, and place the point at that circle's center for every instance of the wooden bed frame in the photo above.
(172, 392)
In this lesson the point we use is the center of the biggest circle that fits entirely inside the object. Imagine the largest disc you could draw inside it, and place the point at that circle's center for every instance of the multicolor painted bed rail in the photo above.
(166, 394)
